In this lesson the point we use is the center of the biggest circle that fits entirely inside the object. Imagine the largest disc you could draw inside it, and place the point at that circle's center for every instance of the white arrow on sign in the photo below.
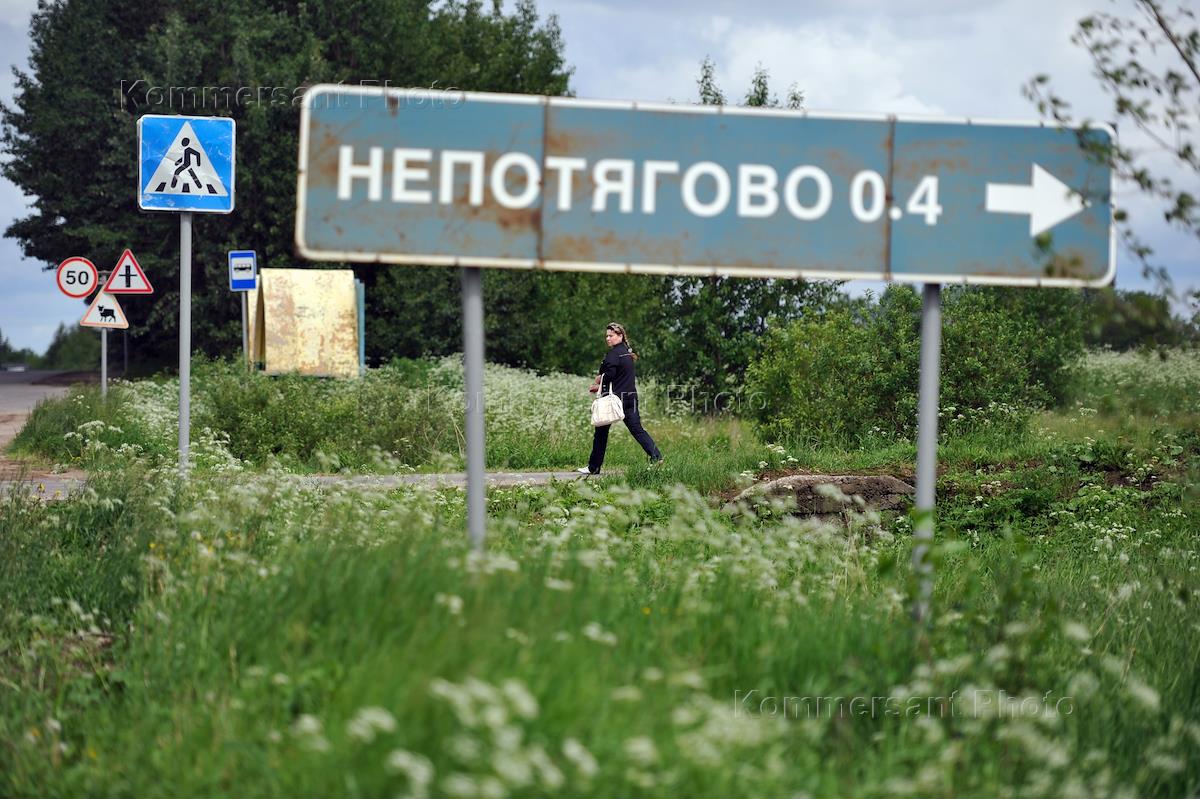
(1048, 200)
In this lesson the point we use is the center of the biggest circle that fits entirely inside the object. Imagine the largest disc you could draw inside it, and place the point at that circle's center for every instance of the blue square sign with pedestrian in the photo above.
(186, 163)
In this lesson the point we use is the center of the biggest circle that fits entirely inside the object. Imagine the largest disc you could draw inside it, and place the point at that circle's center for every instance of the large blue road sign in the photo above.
(186, 163)
(407, 176)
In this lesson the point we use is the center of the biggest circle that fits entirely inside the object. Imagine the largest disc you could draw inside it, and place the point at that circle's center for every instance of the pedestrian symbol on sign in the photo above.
(186, 163)
(186, 168)
(189, 154)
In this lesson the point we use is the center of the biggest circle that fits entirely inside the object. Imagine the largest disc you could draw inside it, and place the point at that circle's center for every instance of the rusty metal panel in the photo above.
(409, 176)
(255, 354)
(306, 321)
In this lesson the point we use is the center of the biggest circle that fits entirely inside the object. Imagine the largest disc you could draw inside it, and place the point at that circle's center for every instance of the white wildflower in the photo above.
(368, 722)
(513, 767)
(641, 750)
(416, 768)
(1076, 632)
(626, 693)
(520, 699)
(688, 679)
(451, 602)
(580, 757)
(459, 785)
(595, 632)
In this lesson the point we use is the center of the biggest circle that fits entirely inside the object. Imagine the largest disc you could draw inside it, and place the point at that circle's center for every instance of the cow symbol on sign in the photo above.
(107, 313)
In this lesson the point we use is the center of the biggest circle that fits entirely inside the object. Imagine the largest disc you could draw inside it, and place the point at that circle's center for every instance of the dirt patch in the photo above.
(12, 468)
(808, 491)
(68, 379)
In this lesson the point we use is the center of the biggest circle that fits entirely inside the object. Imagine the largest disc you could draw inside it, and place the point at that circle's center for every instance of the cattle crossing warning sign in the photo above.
(186, 163)
(105, 311)
(128, 277)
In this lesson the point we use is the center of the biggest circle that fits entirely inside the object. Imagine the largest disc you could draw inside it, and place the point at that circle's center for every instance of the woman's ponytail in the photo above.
(620, 331)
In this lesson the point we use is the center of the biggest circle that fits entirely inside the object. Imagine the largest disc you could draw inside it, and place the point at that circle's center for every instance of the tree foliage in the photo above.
(1125, 320)
(1148, 60)
(711, 328)
(96, 66)
(74, 347)
(9, 354)
(851, 373)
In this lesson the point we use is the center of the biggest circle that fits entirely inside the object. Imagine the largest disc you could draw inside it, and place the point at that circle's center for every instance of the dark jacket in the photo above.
(617, 370)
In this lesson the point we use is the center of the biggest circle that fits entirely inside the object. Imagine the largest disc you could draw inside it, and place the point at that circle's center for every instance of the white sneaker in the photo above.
(585, 470)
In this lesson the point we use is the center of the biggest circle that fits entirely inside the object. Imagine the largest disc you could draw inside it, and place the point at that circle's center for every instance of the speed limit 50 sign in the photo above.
(77, 277)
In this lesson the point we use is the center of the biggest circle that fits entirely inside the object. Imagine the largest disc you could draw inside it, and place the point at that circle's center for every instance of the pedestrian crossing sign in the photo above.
(186, 163)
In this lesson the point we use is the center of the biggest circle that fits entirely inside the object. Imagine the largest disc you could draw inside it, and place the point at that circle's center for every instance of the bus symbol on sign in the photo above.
(243, 270)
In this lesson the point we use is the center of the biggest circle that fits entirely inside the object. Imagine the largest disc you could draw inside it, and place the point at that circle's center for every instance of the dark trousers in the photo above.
(634, 422)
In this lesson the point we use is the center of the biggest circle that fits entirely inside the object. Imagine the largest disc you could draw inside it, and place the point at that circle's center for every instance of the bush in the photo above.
(831, 379)
(294, 417)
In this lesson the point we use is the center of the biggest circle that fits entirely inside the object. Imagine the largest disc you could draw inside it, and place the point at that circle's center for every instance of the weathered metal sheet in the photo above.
(407, 176)
(306, 321)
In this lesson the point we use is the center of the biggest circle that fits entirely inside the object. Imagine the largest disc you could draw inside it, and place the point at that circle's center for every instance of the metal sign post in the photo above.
(104, 353)
(104, 312)
(104, 363)
(127, 277)
(927, 440)
(185, 339)
(243, 277)
(472, 305)
(186, 164)
(472, 180)
(245, 330)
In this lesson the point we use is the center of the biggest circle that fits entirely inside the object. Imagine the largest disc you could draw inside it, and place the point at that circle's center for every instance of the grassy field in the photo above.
(633, 637)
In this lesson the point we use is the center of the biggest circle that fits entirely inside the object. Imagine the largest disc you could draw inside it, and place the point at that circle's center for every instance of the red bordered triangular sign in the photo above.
(105, 311)
(128, 277)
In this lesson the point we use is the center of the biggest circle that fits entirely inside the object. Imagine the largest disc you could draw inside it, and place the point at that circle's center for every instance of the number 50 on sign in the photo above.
(77, 277)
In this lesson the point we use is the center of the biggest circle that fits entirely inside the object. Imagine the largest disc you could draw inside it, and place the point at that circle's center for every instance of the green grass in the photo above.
(626, 637)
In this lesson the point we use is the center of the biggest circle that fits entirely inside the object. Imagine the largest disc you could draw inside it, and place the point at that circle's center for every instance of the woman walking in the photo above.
(617, 377)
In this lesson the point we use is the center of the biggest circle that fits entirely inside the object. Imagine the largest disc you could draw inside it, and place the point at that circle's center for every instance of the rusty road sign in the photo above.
(420, 177)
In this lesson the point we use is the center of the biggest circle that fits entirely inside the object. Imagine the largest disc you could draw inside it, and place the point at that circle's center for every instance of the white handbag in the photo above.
(607, 408)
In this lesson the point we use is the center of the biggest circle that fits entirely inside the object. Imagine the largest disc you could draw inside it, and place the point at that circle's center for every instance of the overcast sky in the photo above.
(942, 57)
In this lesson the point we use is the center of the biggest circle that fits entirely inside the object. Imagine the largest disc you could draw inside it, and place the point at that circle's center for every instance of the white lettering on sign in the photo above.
(705, 189)
(613, 176)
(349, 171)
(566, 168)
(402, 173)
(650, 172)
(533, 180)
(791, 188)
(756, 190)
(472, 161)
(720, 179)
